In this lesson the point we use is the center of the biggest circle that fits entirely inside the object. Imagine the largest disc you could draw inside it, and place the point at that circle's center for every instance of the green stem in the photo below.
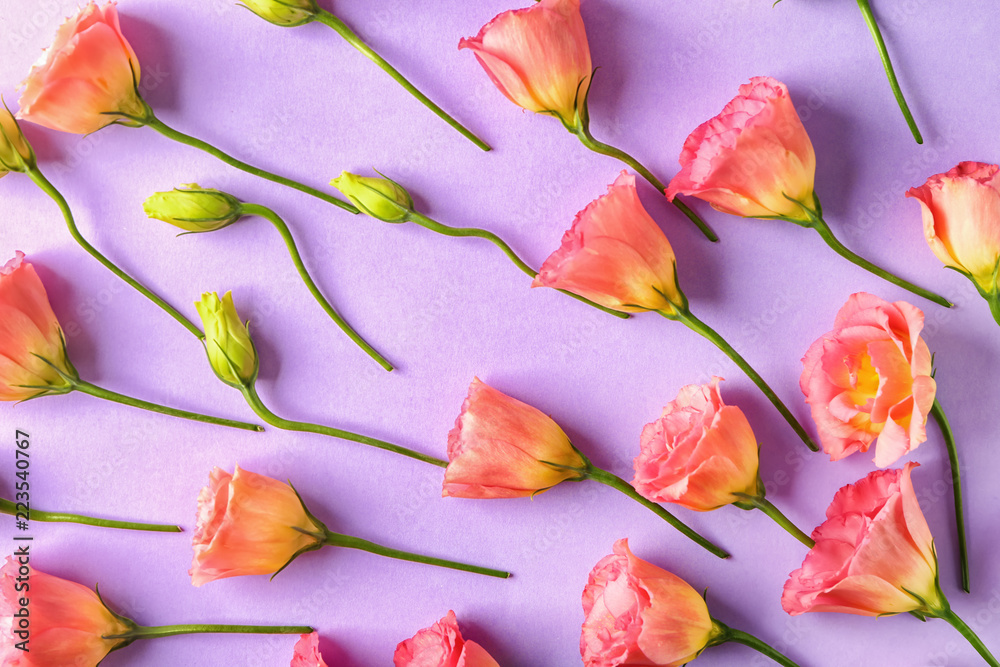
(768, 508)
(155, 632)
(8, 507)
(328, 19)
(348, 542)
(52, 192)
(583, 132)
(826, 234)
(253, 399)
(440, 228)
(286, 234)
(615, 482)
(93, 390)
(703, 329)
(151, 121)
(994, 300)
(728, 634)
(952, 618)
(956, 481)
(883, 52)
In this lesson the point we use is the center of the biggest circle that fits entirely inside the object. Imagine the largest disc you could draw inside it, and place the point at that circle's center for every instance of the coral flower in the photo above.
(307, 652)
(503, 448)
(538, 57)
(87, 79)
(33, 357)
(699, 453)
(616, 255)
(869, 379)
(68, 622)
(441, 645)
(249, 524)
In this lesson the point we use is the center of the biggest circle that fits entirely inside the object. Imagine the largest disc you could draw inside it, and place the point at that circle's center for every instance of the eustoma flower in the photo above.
(386, 200)
(875, 556)
(539, 58)
(307, 652)
(961, 213)
(293, 13)
(756, 160)
(33, 357)
(616, 255)
(17, 155)
(251, 524)
(441, 645)
(197, 210)
(702, 454)
(503, 448)
(870, 380)
(636, 613)
(71, 625)
(233, 357)
(89, 79)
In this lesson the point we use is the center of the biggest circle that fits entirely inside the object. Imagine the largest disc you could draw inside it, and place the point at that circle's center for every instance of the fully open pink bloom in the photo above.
(66, 624)
(29, 330)
(86, 77)
(538, 57)
(503, 448)
(307, 652)
(615, 255)
(698, 453)
(870, 378)
(248, 524)
(639, 614)
(874, 546)
(441, 645)
(751, 158)
(961, 210)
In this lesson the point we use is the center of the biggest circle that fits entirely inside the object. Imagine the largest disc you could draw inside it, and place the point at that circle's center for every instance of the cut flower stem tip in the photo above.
(286, 234)
(8, 507)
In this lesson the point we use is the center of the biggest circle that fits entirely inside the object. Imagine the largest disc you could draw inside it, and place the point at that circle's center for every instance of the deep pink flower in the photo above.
(441, 645)
(307, 652)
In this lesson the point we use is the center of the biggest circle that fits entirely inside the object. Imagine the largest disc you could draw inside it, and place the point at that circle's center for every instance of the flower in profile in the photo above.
(227, 340)
(87, 79)
(68, 622)
(194, 208)
(961, 214)
(33, 357)
(503, 448)
(869, 380)
(538, 57)
(699, 454)
(441, 645)
(615, 255)
(250, 524)
(754, 159)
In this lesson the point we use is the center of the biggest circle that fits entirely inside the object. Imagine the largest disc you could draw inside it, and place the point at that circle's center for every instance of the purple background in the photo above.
(304, 103)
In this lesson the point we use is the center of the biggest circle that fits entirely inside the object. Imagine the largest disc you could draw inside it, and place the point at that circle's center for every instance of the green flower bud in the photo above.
(15, 151)
(227, 340)
(194, 209)
(286, 13)
(381, 198)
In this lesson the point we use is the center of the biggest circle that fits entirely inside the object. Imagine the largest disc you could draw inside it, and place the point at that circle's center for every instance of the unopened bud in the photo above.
(194, 209)
(286, 13)
(381, 198)
(227, 340)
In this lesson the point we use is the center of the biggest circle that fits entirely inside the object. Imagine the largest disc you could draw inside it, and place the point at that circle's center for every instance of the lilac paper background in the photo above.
(302, 102)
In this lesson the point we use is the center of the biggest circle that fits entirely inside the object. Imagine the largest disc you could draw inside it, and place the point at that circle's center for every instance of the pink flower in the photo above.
(87, 78)
(441, 645)
(870, 378)
(698, 453)
(639, 614)
(615, 255)
(307, 652)
(31, 340)
(249, 524)
(68, 623)
(961, 210)
(503, 448)
(874, 554)
(751, 158)
(538, 57)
